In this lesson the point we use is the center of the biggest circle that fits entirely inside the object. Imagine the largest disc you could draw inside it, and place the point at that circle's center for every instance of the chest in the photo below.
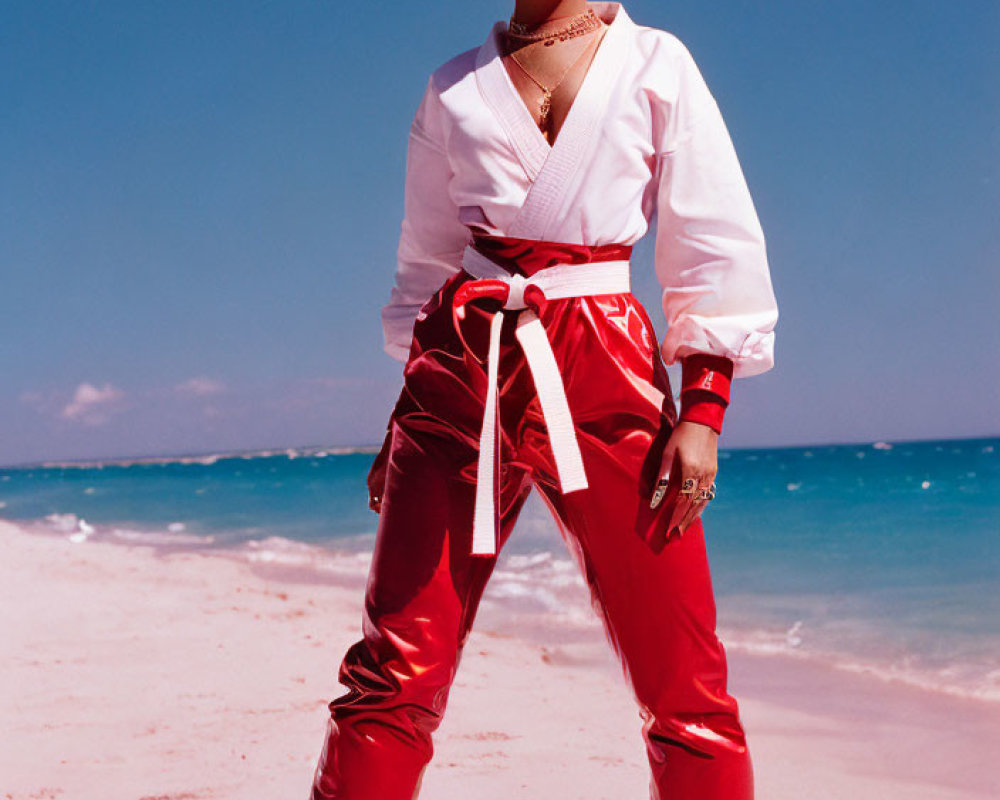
(548, 80)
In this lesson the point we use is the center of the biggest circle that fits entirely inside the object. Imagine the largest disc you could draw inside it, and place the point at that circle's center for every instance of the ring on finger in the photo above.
(706, 493)
(689, 486)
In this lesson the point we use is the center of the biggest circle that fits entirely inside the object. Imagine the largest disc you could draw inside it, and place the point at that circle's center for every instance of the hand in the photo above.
(376, 475)
(691, 455)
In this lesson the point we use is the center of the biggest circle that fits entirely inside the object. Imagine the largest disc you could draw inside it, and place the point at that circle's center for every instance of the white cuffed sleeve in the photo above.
(431, 237)
(710, 255)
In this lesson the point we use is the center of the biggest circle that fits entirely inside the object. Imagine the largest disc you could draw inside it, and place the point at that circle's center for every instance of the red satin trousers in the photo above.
(653, 594)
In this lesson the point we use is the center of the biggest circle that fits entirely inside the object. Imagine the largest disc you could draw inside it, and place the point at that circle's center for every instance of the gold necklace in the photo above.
(578, 25)
(545, 104)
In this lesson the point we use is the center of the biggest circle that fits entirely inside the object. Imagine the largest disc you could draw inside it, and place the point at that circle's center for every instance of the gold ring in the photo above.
(688, 487)
(706, 494)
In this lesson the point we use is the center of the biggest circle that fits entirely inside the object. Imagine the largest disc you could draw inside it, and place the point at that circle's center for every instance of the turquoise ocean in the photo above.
(881, 558)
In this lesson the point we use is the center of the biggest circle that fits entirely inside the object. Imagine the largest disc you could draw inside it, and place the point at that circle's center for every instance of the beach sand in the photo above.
(135, 673)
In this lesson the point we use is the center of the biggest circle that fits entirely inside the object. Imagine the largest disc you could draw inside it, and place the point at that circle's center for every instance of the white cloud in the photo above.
(92, 405)
(200, 387)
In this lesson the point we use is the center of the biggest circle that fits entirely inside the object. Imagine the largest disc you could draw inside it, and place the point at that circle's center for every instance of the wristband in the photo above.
(702, 408)
(707, 373)
(705, 389)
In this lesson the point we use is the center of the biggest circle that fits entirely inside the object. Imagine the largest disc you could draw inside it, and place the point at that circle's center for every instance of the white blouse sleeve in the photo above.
(710, 255)
(431, 237)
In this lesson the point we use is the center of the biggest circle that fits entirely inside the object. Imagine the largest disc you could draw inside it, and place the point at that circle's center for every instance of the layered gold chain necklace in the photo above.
(578, 25)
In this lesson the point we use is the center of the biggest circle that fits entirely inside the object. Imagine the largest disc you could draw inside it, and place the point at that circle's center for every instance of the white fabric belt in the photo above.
(558, 282)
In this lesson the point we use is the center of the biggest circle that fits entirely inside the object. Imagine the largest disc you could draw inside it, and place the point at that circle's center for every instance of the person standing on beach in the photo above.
(535, 161)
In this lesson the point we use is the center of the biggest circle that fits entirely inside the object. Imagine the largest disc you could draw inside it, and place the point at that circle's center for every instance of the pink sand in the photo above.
(141, 674)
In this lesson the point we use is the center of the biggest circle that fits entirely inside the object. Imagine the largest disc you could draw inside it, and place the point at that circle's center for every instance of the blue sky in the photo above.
(200, 204)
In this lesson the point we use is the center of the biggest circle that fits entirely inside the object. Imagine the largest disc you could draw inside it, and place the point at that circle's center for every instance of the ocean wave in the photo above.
(78, 530)
(967, 681)
(207, 459)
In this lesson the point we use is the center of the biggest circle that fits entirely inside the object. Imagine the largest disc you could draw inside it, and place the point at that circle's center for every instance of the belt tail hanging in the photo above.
(552, 397)
(484, 523)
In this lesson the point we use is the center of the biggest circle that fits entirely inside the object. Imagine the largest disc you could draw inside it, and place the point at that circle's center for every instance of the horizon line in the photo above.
(331, 449)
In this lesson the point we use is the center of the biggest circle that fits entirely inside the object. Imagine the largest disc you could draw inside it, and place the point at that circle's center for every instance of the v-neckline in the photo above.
(497, 87)
(543, 140)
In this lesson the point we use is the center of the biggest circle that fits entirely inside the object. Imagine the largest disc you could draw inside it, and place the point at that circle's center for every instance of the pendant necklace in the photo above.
(574, 29)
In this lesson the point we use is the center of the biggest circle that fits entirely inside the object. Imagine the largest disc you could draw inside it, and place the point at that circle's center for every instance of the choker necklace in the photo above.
(579, 25)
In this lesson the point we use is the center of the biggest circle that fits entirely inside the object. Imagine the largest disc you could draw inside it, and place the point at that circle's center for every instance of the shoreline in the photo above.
(148, 673)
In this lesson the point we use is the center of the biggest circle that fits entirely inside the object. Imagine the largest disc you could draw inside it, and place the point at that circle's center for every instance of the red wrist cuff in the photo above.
(707, 373)
(705, 389)
(704, 408)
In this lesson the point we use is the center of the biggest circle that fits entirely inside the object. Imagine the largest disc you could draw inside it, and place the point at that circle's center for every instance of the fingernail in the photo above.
(661, 490)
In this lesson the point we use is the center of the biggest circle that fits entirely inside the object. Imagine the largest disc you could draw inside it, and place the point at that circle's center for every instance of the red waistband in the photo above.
(528, 256)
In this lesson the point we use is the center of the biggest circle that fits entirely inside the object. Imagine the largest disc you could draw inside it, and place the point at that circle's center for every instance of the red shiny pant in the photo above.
(654, 595)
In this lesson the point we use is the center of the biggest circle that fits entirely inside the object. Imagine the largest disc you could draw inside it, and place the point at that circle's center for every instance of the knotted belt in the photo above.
(517, 292)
